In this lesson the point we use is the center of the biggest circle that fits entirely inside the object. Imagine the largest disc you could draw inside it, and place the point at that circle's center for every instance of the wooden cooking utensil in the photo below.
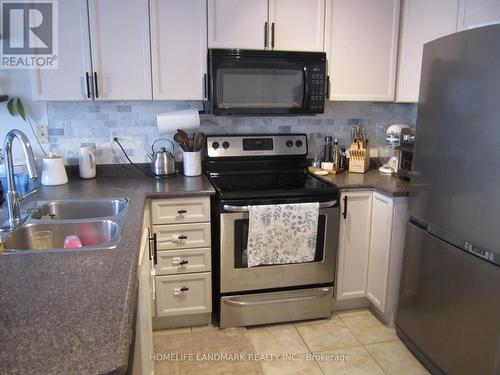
(199, 140)
(181, 141)
(181, 134)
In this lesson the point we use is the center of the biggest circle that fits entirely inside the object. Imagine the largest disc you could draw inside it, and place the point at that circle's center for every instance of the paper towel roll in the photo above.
(185, 119)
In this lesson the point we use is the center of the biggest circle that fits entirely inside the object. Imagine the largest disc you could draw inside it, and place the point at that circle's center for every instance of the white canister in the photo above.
(86, 162)
(192, 163)
(54, 172)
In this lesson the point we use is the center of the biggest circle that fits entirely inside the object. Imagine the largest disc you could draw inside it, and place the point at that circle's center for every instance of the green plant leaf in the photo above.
(10, 107)
(20, 109)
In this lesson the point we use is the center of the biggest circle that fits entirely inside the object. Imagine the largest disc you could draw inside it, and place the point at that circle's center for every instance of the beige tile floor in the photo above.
(349, 342)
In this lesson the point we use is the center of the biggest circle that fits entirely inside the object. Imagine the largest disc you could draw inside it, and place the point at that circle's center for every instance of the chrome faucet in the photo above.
(12, 197)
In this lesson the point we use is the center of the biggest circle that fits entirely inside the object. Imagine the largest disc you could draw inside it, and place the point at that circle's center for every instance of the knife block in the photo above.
(359, 161)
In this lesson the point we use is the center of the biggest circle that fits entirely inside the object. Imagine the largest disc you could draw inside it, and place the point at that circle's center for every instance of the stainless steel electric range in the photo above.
(261, 170)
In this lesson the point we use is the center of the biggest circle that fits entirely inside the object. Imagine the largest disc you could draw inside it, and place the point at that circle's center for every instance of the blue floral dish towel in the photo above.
(282, 233)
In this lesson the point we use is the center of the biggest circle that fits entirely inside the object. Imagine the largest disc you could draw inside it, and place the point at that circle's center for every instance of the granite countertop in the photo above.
(373, 179)
(72, 312)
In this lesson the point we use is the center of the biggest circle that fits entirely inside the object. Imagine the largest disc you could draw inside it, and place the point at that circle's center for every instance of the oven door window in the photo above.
(241, 238)
(260, 87)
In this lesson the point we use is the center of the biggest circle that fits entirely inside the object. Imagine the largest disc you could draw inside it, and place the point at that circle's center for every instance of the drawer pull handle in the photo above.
(180, 291)
(178, 237)
(177, 261)
(182, 212)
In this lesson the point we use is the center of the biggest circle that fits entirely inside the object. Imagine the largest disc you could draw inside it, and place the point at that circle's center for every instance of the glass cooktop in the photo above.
(271, 185)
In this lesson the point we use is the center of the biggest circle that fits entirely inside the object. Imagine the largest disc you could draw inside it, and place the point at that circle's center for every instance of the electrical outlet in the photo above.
(42, 133)
(116, 133)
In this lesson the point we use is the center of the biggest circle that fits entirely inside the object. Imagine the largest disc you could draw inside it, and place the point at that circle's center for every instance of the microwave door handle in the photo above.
(306, 87)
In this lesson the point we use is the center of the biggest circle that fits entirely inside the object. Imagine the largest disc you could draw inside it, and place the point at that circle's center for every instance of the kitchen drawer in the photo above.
(272, 307)
(174, 262)
(183, 294)
(180, 210)
(182, 236)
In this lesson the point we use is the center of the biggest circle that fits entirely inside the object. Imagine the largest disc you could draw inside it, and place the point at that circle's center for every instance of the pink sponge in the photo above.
(72, 242)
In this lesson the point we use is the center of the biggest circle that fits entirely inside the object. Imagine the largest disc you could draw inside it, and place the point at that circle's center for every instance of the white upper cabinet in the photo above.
(290, 25)
(354, 244)
(179, 49)
(363, 49)
(297, 25)
(68, 81)
(475, 13)
(119, 35)
(237, 24)
(422, 21)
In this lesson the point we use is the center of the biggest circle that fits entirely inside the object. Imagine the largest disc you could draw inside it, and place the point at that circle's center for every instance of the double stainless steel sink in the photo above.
(98, 223)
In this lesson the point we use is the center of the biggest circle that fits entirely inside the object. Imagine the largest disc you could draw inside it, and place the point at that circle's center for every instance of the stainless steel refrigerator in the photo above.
(449, 301)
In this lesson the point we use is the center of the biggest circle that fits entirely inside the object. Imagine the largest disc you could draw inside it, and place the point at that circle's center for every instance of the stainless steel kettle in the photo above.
(163, 161)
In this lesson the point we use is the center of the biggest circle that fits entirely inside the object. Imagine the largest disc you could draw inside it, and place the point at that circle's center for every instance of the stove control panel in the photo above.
(256, 145)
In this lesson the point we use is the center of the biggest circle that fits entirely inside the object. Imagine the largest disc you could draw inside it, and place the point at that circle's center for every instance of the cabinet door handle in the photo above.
(184, 289)
(272, 35)
(182, 237)
(344, 214)
(96, 87)
(265, 35)
(87, 84)
(149, 247)
(181, 212)
(183, 262)
(154, 254)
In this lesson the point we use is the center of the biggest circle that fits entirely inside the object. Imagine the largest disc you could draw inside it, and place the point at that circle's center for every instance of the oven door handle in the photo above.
(231, 208)
(323, 292)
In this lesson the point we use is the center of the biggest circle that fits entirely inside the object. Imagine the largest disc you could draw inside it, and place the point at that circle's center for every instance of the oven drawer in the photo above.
(273, 307)
(183, 294)
(180, 210)
(182, 236)
(174, 262)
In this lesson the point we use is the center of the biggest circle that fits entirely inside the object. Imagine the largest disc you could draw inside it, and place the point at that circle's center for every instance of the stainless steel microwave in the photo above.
(257, 82)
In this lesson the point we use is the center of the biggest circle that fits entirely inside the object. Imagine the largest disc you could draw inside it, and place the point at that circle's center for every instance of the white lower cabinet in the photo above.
(183, 281)
(184, 294)
(182, 236)
(371, 244)
(183, 261)
(380, 249)
(143, 348)
(354, 242)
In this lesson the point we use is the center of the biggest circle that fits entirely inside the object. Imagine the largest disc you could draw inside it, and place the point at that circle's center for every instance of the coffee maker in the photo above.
(390, 151)
(405, 152)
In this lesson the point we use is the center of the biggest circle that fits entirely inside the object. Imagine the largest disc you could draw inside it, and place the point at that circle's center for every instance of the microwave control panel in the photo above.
(317, 86)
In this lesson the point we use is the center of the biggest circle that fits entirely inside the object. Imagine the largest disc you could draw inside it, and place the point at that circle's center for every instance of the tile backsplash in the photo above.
(73, 123)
